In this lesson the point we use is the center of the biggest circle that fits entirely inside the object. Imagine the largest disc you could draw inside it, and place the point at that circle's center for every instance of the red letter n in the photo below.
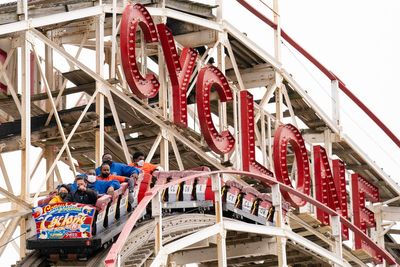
(330, 189)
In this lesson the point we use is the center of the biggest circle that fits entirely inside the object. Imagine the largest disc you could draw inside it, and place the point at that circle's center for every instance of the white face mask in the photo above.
(91, 178)
(140, 163)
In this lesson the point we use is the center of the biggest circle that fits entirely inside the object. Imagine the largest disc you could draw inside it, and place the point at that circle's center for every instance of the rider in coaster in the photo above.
(117, 168)
(100, 187)
(62, 193)
(105, 175)
(82, 194)
(138, 162)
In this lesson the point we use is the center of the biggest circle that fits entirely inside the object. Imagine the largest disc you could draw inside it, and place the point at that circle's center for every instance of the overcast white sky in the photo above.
(359, 41)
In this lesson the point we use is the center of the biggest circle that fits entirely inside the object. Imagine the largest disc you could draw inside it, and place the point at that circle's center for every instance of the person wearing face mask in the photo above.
(82, 194)
(62, 193)
(117, 168)
(138, 161)
(100, 187)
(106, 176)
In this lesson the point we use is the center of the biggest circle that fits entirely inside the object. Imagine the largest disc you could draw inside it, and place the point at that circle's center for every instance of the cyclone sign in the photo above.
(63, 221)
(330, 182)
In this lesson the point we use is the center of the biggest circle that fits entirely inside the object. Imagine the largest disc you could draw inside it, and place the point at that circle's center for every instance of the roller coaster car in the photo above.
(74, 230)
(249, 204)
(193, 193)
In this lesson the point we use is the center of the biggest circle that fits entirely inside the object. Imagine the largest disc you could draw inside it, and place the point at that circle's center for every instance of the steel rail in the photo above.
(324, 70)
(112, 257)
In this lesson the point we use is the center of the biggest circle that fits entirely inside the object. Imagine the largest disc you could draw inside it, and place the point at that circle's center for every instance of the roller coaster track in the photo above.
(139, 249)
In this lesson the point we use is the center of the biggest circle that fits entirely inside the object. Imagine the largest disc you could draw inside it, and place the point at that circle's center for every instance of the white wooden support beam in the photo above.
(91, 100)
(7, 215)
(114, 143)
(281, 241)
(163, 104)
(58, 120)
(113, 39)
(63, 86)
(237, 127)
(387, 202)
(15, 199)
(179, 15)
(221, 236)
(328, 142)
(37, 162)
(100, 97)
(264, 100)
(3, 66)
(164, 150)
(390, 213)
(263, 139)
(119, 128)
(336, 225)
(58, 175)
(200, 63)
(177, 153)
(289, 105)
(245, 40)
(50, 20)
(12, 91)
(222, 37)
(286, 234)
(7, 234)
(154, 147)
(278, 106)
(234, 64)
(277, 31)
(5, 175)
(269, 134)
(262, 247)
(13, 243)
(185, 242)
(157, 214)
(7, 79)
(335, 103)
(48, 70)
(25, 130)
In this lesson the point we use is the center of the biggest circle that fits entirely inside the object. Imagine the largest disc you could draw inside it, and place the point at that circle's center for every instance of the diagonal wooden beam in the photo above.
(14, 198)
(8, 234)
(6, 215)
(54, 108)
(5, 175)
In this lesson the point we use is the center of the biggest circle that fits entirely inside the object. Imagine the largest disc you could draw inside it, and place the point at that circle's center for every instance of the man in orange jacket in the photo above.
(138, 162)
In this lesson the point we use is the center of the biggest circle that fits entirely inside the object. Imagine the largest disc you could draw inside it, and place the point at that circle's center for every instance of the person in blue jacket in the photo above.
(100, 187)
(117, 168)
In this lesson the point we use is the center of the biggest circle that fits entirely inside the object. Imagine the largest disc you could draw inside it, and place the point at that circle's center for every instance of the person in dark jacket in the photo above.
(83, 194)
(117, 168)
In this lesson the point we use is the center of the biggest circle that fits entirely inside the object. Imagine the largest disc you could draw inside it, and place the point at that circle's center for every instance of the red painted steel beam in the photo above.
(111, 259)
(325, 71)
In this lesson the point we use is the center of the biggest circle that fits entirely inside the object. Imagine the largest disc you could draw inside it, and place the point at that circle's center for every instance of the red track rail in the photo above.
(111, 259)
(324, 70)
